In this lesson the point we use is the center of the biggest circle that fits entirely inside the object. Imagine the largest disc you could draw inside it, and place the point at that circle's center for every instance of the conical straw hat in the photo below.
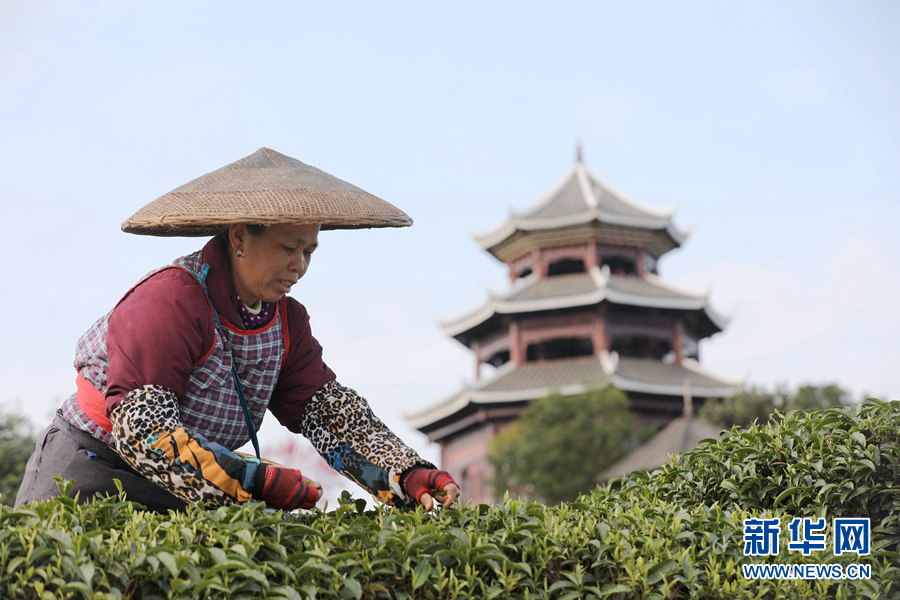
(265, 188)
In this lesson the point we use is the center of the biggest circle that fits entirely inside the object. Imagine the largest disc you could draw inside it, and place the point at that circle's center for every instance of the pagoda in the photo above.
(586, 307)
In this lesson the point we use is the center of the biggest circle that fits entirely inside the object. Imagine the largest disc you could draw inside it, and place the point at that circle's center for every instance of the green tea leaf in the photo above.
(421, 574)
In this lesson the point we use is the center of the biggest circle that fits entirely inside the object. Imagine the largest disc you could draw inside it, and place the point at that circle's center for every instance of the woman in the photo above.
(180, 373)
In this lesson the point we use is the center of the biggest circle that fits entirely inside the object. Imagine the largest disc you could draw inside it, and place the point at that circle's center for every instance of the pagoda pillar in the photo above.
(590, 259)
(476, 347)
(598, 332)
(516, 347)
(539, 264)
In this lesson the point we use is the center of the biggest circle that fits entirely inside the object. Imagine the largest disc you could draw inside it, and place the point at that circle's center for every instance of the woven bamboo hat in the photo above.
(265, 188)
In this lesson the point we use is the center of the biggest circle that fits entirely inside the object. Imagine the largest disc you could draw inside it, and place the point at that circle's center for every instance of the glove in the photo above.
(284, 488)
(420, 480)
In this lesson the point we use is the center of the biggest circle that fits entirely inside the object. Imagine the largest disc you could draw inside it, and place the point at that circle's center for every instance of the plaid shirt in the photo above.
(211, 406)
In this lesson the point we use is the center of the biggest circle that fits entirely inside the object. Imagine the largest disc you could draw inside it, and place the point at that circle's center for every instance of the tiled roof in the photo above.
(652, 376)
(517, 383)
(536, 294)
(653, 371)
(581, 196)
(681, 435)
(650, 286)
(569, 201)
(610, 201)
(557, 286)
(549, 374)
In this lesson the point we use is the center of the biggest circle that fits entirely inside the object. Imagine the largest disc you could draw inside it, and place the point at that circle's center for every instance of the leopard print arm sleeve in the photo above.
(149, 436)
(355, 442)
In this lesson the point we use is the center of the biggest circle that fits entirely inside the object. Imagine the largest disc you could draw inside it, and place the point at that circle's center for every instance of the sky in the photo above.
(773, 126)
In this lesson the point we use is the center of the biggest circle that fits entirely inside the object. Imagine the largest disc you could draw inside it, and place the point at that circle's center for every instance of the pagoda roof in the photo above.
(534, 294)
(681, 435)
(652, 376)
(517, 383)
(581, 196)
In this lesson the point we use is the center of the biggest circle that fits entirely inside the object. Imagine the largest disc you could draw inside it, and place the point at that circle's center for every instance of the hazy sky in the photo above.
(774, 126)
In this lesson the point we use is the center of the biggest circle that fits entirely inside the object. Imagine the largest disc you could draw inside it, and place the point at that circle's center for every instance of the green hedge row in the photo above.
(676, 533)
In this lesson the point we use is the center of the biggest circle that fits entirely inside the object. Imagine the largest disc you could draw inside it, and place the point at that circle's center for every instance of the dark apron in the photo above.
(65, 451)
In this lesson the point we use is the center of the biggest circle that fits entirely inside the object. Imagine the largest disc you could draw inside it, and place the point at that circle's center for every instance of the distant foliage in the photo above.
(754, 405)
(16, 446)
(810, 397)
(555, 449)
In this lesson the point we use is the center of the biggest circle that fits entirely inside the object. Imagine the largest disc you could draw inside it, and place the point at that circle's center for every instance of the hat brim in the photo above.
(265, 188)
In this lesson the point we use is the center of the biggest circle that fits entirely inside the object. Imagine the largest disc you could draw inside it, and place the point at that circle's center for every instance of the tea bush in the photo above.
(676, 533)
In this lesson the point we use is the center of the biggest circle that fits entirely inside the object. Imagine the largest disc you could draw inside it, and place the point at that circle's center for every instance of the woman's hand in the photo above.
(428, 485)
(445, 497)
(285, 488)
(313, 484)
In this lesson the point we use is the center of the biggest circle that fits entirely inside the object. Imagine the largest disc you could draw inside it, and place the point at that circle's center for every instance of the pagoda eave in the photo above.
(517, 384)
(605, 291)
(457, 414)
(650, 376)
(517, 238)
(661, 389)
(507, 386)
(579, 197)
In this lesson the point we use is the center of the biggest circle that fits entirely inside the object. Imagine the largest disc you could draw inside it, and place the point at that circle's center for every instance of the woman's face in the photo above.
(271, 262)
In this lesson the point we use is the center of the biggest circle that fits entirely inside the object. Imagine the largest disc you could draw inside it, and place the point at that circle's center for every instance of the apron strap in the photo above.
(201, 278)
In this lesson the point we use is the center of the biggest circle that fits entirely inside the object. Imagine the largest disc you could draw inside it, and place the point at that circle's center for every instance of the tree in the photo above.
(16, 446)
(754, 405)
(743, 409)
(818, 398)
(555, 449)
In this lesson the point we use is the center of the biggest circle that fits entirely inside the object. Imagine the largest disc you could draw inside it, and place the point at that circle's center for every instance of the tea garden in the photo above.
(675, 533)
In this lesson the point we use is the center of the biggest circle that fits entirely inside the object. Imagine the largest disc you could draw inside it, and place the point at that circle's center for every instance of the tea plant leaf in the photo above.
(421, 574)
(285, 592)
(657, 572)
(87, 572)
(254, 575)
(785, 494)
(77, 586)
(168, 561)
(609, 589)
(60, 536)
